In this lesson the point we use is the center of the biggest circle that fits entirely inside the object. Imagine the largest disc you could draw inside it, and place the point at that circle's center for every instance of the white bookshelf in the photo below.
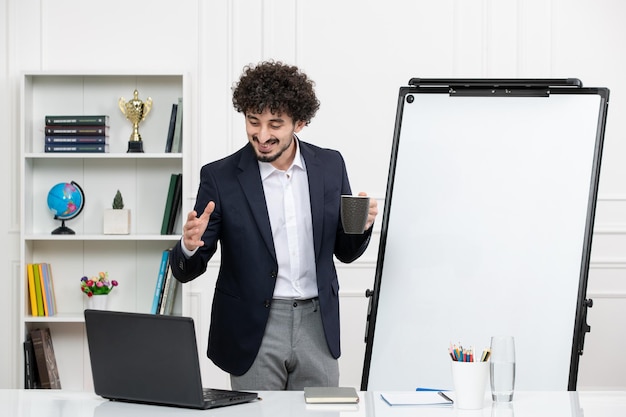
(142, 178)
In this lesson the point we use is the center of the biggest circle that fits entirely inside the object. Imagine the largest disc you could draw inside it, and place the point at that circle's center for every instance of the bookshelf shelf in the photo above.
(97, 237)
(43, 155)
(142, 178)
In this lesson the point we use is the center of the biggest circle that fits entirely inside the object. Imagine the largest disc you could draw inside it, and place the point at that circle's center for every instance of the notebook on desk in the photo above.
(153, 359)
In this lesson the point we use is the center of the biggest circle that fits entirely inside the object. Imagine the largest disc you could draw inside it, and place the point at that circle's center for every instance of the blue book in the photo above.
(158, 290)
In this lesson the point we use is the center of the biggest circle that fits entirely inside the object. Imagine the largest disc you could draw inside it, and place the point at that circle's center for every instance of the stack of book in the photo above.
(41, 369)
(41, 290)
(77, 133)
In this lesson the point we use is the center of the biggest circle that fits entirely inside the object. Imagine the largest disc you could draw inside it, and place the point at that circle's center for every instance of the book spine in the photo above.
(43, 270)
(51, 140)
(78, 148)
(159, 283)
(38, 291)
(76, 130)
(51, 362)
(77, 120)
(165, 292)
(169, 202)
(171, 296)
(170, 130)
(31, 379)
(40, 357)
(44, 290)
(176, 204)
(178, 128)
(52, 293)
(32, 291)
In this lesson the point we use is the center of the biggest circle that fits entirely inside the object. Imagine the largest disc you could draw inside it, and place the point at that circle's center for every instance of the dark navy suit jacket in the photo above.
(248, 267)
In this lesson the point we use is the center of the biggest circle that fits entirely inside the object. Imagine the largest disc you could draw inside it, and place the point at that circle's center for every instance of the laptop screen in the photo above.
(146, 358)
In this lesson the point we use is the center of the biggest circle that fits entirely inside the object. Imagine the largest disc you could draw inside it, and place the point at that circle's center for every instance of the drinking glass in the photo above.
(502, 368)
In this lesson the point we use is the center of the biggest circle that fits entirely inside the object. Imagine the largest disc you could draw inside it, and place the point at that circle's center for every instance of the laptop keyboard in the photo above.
(212, 394)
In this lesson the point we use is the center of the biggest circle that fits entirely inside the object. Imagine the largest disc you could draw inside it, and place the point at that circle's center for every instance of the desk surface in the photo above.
(61, 403)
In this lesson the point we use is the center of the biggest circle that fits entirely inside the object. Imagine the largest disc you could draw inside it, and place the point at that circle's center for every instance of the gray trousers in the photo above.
(293, 353)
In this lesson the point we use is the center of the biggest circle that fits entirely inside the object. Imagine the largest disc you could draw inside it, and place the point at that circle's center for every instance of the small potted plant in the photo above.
(116, 219)
(97, 289)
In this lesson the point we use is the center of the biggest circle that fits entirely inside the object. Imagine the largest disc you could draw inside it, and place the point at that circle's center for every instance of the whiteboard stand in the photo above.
(487, 229)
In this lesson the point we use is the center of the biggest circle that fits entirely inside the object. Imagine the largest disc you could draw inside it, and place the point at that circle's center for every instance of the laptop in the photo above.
(152, 359)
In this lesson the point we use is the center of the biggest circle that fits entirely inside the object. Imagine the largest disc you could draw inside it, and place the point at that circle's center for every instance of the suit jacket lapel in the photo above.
(315, 173)
(250, 180)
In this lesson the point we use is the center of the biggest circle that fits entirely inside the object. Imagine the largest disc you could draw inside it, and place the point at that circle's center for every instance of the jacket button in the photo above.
(274, 274)
(267, 303)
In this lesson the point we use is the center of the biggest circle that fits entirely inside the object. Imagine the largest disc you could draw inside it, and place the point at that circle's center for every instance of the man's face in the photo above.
(271, 136)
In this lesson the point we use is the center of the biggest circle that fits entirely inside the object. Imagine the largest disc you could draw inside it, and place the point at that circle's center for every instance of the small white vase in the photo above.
(98, 302)
(116, 222)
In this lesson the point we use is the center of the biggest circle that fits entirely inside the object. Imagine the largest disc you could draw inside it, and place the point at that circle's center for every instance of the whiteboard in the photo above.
(486, 231)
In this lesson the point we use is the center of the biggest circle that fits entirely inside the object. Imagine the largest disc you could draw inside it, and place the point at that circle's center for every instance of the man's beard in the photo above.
(272, 158)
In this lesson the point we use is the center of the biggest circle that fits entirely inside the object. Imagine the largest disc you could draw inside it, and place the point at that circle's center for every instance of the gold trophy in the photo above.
(136, 111)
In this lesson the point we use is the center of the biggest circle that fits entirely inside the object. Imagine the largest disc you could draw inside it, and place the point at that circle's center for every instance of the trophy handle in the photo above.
(122, 105)
(147, 106)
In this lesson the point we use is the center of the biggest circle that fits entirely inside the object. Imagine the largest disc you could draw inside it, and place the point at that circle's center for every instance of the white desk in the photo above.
(55, 403)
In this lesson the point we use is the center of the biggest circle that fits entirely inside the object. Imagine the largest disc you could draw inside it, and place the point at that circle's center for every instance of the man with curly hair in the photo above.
(274, 206)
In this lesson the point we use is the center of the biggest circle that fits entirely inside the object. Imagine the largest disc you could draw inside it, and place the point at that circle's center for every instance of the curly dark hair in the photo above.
(278, 87)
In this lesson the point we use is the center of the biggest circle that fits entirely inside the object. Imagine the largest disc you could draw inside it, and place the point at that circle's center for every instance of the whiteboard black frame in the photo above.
(498, 89)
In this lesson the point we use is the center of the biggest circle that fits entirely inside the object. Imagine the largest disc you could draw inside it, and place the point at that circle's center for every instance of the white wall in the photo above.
(359, 53)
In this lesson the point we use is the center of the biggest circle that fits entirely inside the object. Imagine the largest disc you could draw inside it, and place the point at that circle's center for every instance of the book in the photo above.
(170, 130)
(165, 290)
(31, 376)
(51, 140)
(176, 204)
(171, 296)
(178, 127)
(169, 203)
(52, 292)
(38, 291)
(78, 148)
(330, 395)
(65, 130)
(44, 271)
(169, 292)
(78, 120)
(32, 292)
(45, 290)
(156, 299)
(45, 358)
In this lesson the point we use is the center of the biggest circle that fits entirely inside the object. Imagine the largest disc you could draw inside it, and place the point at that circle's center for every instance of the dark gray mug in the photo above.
(354, 212)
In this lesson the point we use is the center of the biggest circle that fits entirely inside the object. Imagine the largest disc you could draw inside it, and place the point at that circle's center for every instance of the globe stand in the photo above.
(63, 230)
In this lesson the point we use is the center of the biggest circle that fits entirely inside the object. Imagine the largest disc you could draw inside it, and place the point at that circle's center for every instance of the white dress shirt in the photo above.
(289, 208)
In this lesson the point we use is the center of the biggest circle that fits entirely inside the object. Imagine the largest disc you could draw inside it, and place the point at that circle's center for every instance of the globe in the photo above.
(65, 200)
